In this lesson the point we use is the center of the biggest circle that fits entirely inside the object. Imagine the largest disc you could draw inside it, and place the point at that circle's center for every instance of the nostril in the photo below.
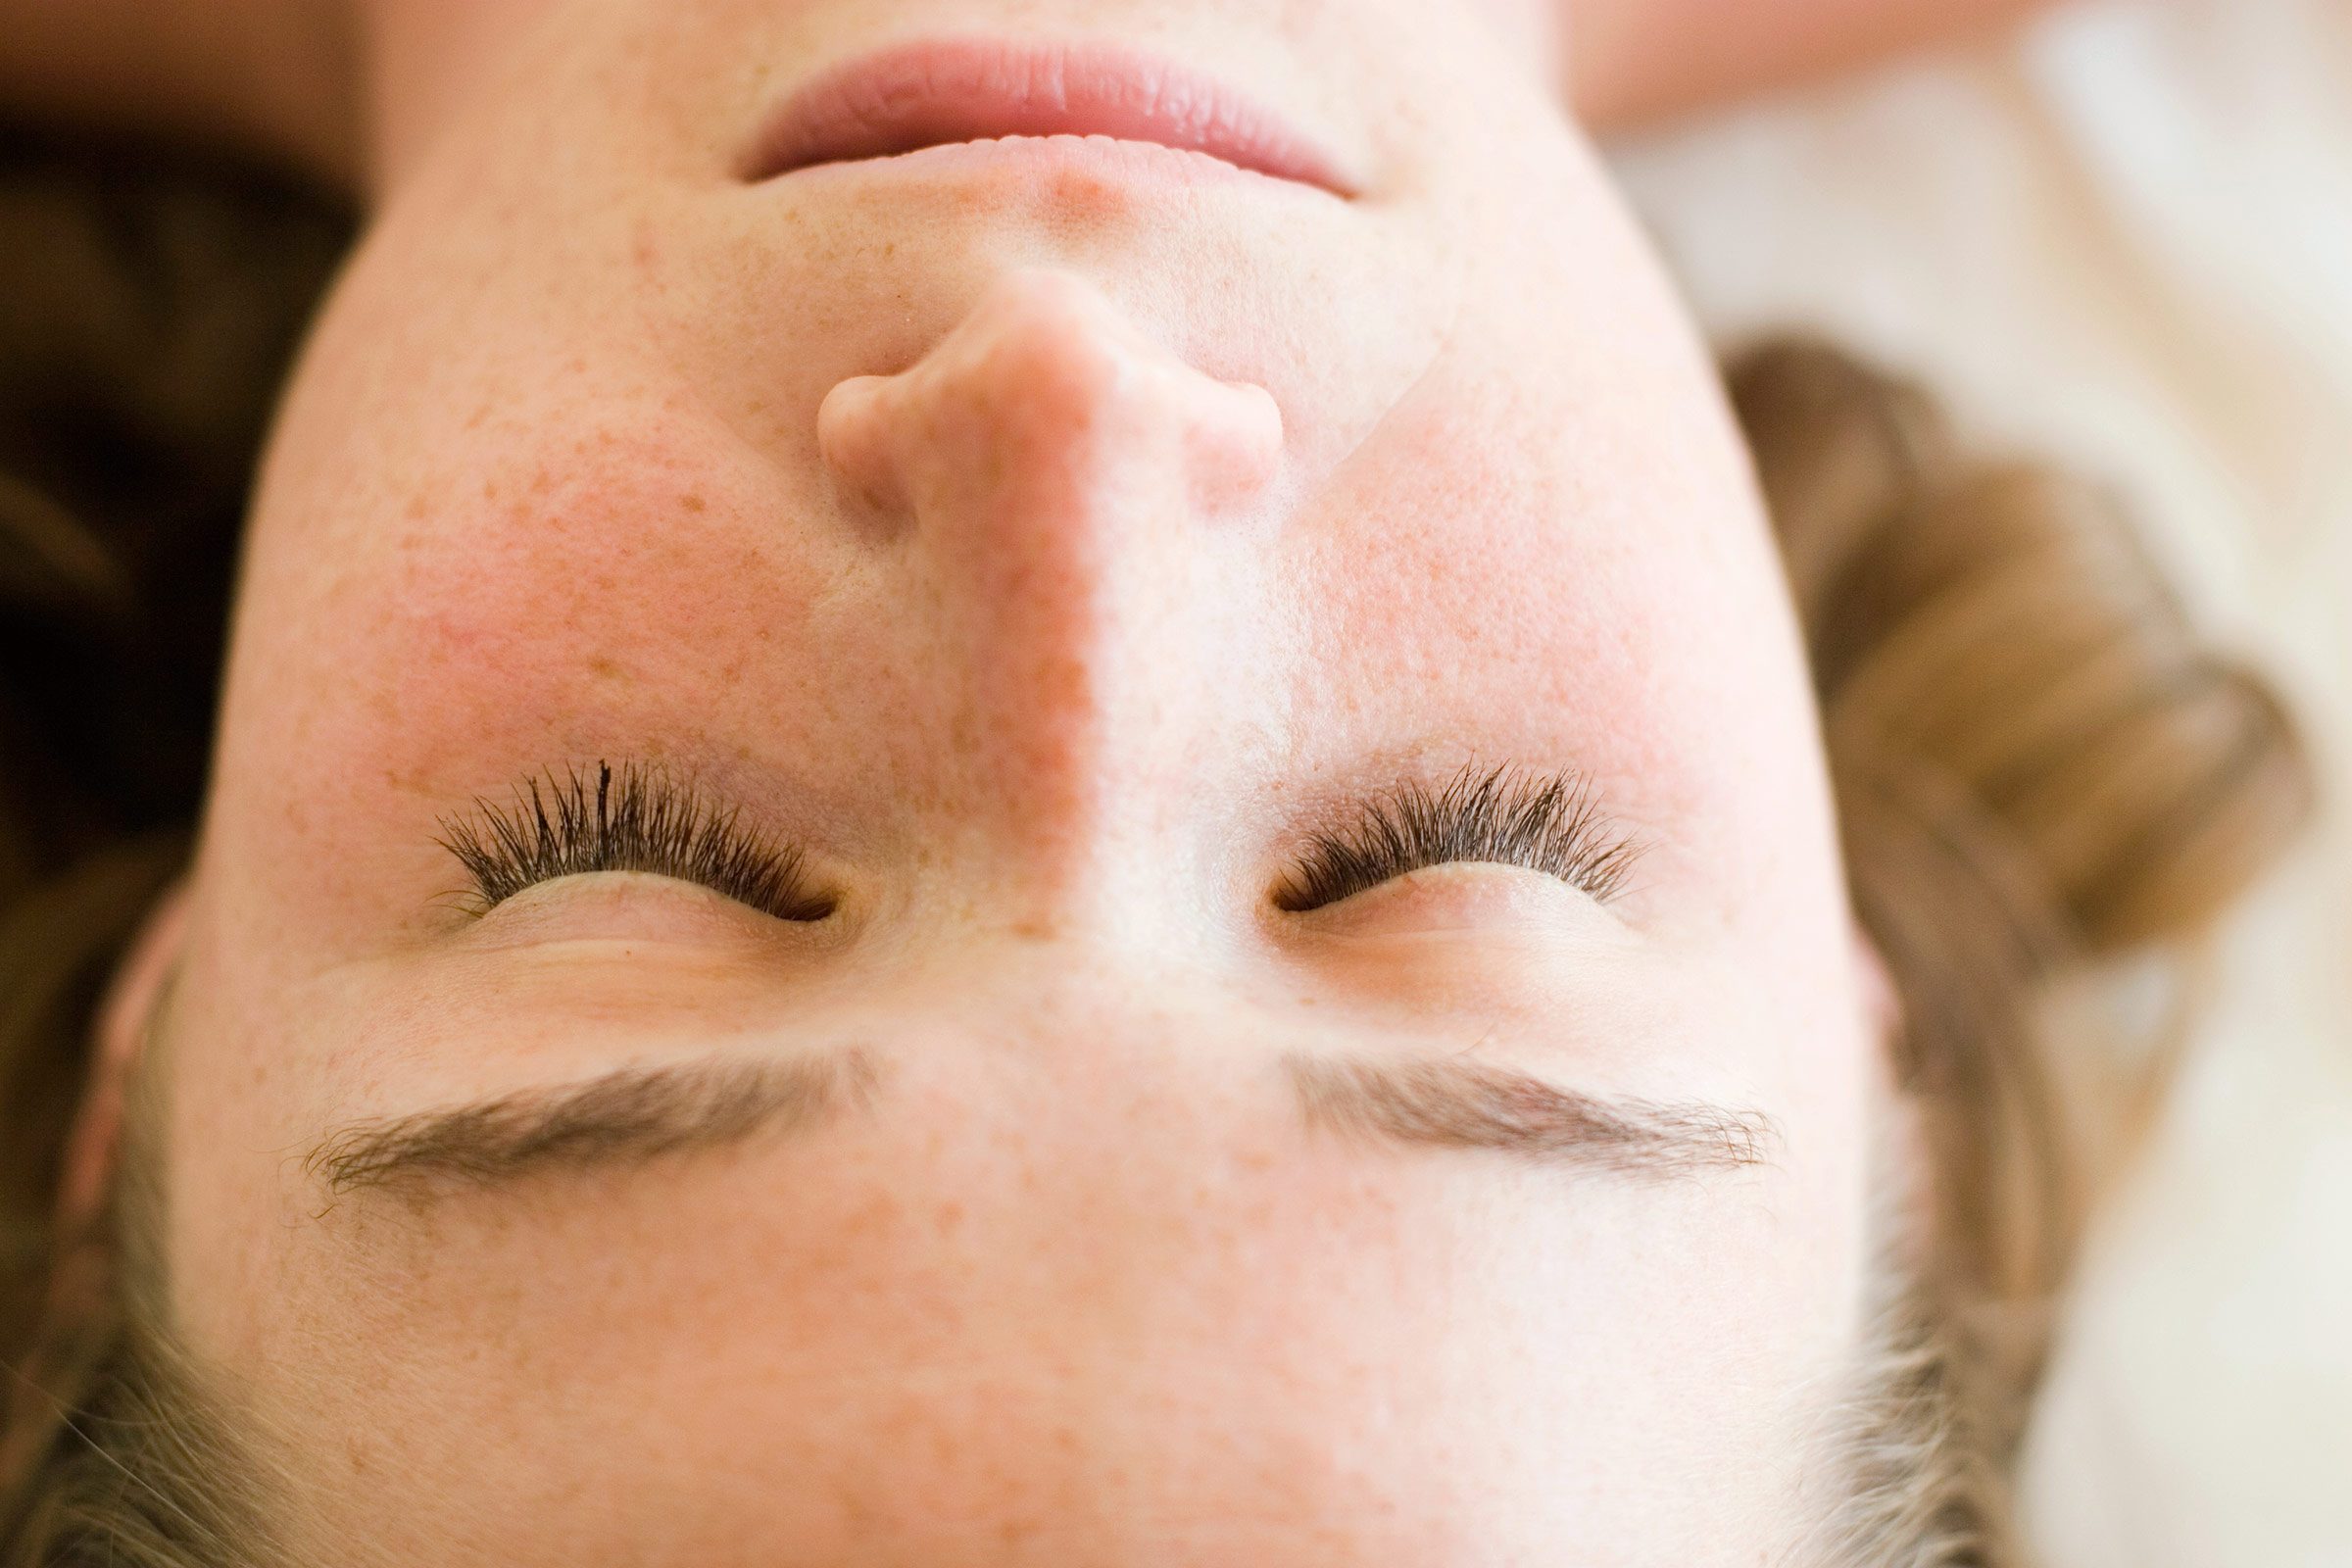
(1238, 450)
(853, 436)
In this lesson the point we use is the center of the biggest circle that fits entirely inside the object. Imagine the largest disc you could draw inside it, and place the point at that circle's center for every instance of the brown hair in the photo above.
(2039, 766)
(148, 309)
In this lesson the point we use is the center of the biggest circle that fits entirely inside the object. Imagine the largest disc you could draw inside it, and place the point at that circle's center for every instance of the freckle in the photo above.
(694, 504)
(415, 511)
(852, 1502)
(601, 666)
(949, 1217)
(489, 489)
(878, 1216)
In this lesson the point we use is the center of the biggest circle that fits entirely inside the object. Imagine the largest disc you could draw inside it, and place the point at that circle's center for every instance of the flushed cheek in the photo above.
(609, 595)
(1544, 574)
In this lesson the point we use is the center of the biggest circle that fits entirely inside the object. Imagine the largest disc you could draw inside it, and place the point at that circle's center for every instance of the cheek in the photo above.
(637, 587)
(1522, 559)
(621, 578)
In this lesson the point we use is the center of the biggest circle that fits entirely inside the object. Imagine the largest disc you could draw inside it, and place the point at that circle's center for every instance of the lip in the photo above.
(946, 91)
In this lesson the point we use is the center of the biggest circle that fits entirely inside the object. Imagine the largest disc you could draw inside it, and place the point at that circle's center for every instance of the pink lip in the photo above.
(958, 90)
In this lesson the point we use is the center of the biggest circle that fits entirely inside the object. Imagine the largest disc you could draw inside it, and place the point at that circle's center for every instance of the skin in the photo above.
(1048, 547)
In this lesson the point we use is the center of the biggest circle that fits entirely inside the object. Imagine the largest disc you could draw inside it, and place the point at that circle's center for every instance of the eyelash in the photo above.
(635, 819)
(639, 819)
(1548, 823)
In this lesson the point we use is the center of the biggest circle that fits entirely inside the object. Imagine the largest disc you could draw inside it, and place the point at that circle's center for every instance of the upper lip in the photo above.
(953, 91)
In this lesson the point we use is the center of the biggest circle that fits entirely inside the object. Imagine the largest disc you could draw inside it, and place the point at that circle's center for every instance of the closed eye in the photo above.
(639, 819)
(636, 819)
(1549, 823)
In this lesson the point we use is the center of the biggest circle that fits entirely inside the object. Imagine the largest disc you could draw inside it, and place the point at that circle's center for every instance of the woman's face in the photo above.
(1045, 1121)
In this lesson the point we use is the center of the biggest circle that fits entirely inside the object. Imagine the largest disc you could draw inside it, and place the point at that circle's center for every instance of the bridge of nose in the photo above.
(1072, 507)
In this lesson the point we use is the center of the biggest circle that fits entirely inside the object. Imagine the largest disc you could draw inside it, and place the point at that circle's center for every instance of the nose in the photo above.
(1045, 393)
(1070, 505)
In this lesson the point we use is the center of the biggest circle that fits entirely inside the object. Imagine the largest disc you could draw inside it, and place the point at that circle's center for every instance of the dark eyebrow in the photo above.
(636, 1114)
(1449, 1102)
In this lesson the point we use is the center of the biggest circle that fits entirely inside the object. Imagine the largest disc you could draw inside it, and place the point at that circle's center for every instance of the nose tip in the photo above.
(1045, 379)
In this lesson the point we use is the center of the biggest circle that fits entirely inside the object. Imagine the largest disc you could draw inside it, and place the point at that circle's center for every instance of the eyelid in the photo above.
(631, 915)
(1493, 905)
(636, 819)
(1551, 824)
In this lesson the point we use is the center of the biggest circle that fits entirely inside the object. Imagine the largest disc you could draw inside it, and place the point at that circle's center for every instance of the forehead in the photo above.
(1127, 1333)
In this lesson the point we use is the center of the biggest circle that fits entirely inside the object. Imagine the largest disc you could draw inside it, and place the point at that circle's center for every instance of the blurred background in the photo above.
(2122, 238)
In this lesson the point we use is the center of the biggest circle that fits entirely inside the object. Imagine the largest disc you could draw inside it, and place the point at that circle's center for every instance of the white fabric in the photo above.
(2125, 238)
